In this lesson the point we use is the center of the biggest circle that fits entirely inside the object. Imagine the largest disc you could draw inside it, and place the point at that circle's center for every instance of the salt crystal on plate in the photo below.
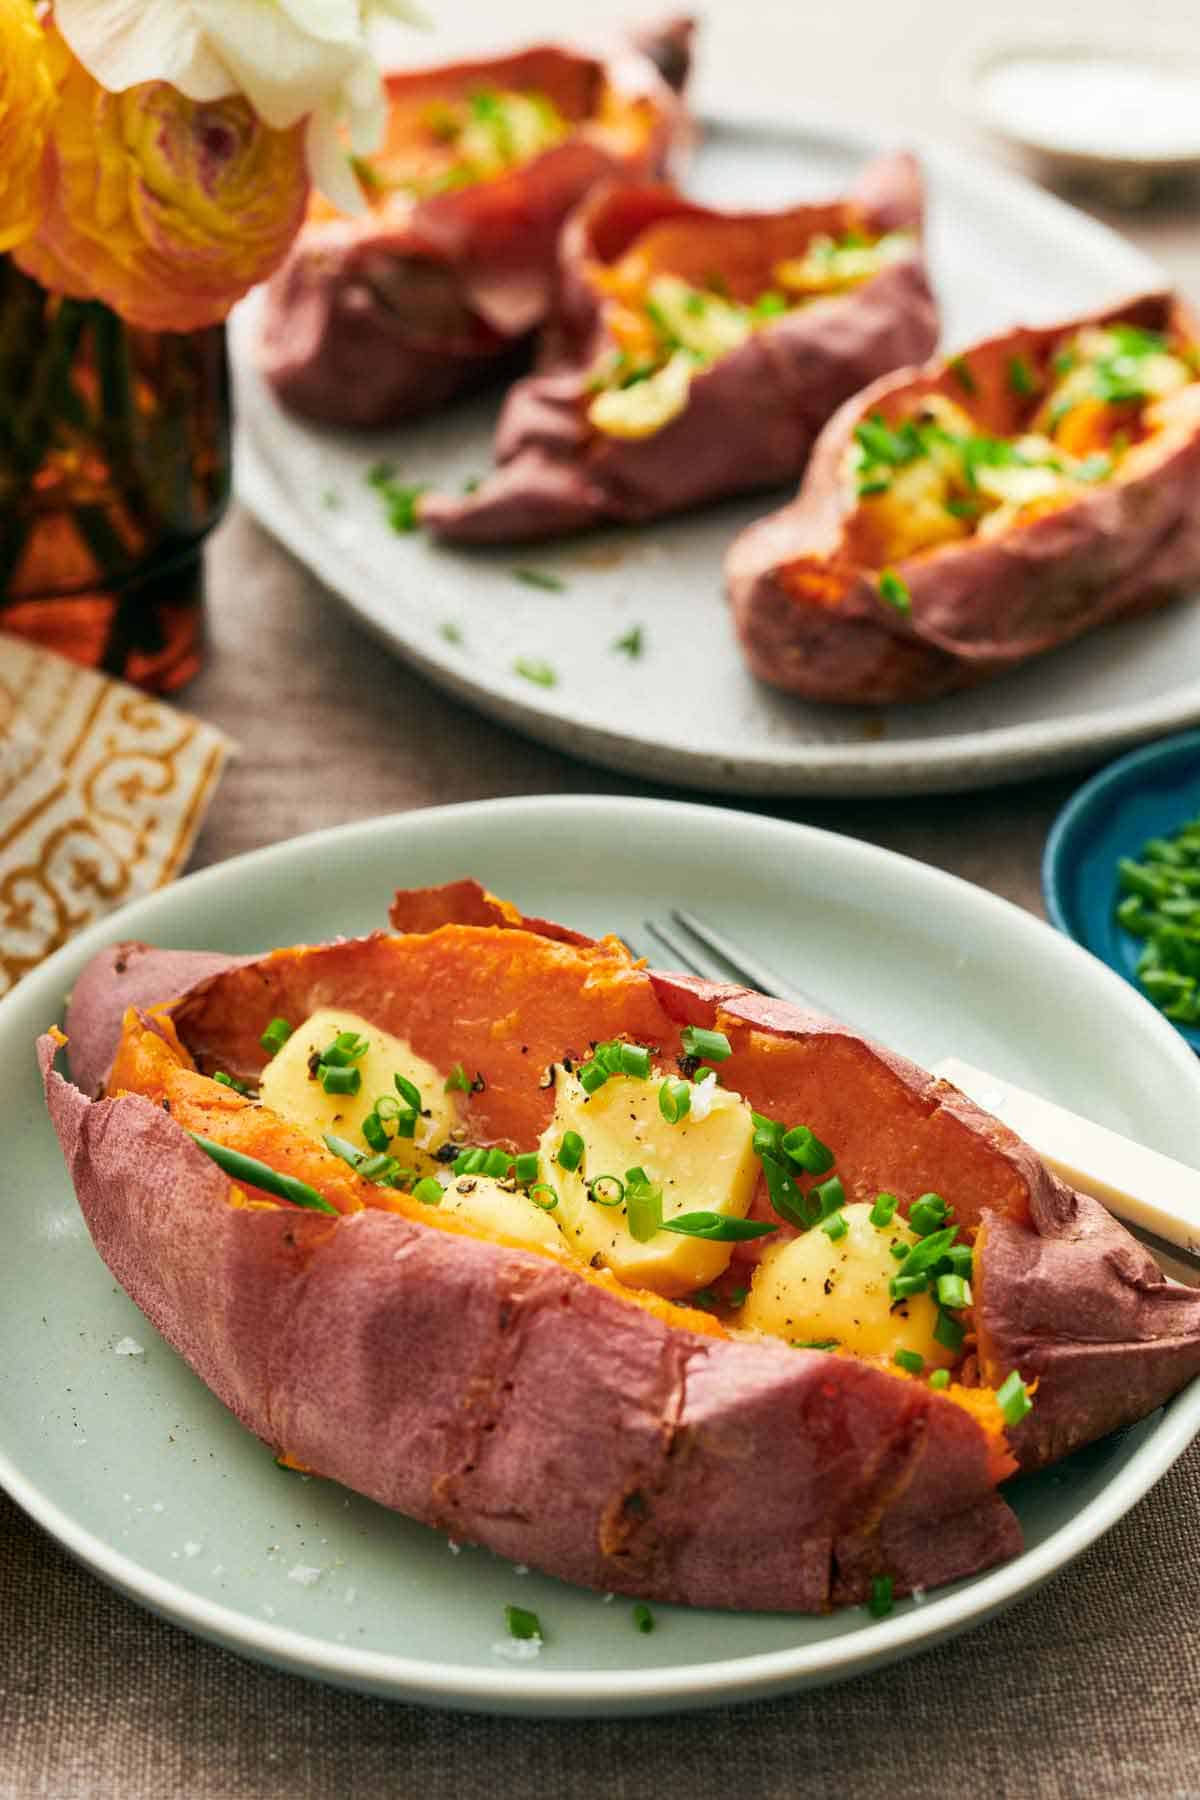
(304, 1575)
(518, 1649)
(128, 1347)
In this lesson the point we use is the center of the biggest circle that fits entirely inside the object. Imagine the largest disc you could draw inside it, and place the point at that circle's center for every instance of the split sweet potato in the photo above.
(528, 1401)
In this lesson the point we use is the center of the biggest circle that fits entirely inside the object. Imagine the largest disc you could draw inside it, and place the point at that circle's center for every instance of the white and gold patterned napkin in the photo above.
(102, 792)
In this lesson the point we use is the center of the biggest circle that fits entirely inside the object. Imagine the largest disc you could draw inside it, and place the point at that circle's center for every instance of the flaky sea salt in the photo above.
(128, 1347)
(518, 1649)
(192, 1548)
(304, 1575)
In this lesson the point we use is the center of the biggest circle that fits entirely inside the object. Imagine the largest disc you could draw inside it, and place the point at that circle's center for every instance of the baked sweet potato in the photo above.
(450, 1348)
(696, 354)
(375, 320)
(958, 519)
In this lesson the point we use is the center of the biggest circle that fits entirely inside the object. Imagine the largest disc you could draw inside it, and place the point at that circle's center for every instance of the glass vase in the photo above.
(114, 466)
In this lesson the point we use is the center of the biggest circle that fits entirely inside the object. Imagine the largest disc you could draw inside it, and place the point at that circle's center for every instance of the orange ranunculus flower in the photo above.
(27, 99)
(167, 209)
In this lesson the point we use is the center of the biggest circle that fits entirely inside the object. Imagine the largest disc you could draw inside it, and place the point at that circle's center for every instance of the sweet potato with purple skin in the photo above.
(372, 321)
(520, 1400)
(751, 416)
(804, 583)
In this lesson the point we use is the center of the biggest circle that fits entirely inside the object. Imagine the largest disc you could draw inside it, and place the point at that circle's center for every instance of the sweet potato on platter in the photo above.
(696, 354)
(782, 1359)
(377, 319)
(958, 519)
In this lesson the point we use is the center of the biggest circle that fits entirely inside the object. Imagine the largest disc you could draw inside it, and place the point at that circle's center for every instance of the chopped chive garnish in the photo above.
(275, 1036)
(630, 1059)
(544, 1196)
(606, 1190)
(526, 1166)
(592, 1075)
(961, 1259)
(940, 1378)
(570, 1151)
(540, 578)
(901, 1287)
(816, 1343)
(497, 1163)
(786, 1198)
(928, 1251)
(949, 1332)
(912, 1360)
(522, 1624)
(900, 1250)
(829, 1196)
(630, 642)
(429, 1191)
(408, 1093)
(457, 1081)
(834, 1225)
(262, 1175)
(718, 1228)
(881, 1598)
(450, 631)
(953, 1291)
(373, 1131)
(643, 1209)
(960, 368)
(380, 1168)
(1020, 377)
(406, 1124)
(805, 1148)
(737, 1296)
(713, 1046)
(894, 591)
(643, 1618)
(336, 1080)
(230, 1081)
(674, 1100)
(1012, 1397)
(470, 1162)
(884, 1210)
(349, 1153)
(347, 1047)
(927, 1214)
(535, 670)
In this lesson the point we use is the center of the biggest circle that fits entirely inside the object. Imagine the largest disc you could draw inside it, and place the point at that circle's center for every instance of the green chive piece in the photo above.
(899, 1251)
(786, 1197)
(718, 1228)
(592, 1075)
(570, 1151)
(928, 1251)
(230, 1081)
(543, 1187)
(635, 1061)
(521, 1624)
(912, 1360)
(900, 1287)
(881, 1599)
(431, 1192)
(526, 1166)
(1021, 379)
(497, 1163)
(636, 1177)
(643, 1618)
(457, 1081)
(960, 368)
(893, 589)
(347, 1047)
(533, 669)
(884, 1210)
(469, 1162)
(275, 1036)
(349, 1153)
(540, 578)
(768, 1135)
(630, 642)
(606, 1190)
(374, 1133)
(940, 1378)
(340, 1081)
(379, 1168)
(262, 1175)
(961, 1259)
(408, 1093)
(406, 1124)
(829, 1196)
(815, 1343)
(450, 631)
(953, 1291)
(927, 1214)
(1012, 1397)
(834, 1225)
(674, 1100)
(714, 1046)
(805, 1148)
(737, 1296)
(949, 1332)
(643, 1209)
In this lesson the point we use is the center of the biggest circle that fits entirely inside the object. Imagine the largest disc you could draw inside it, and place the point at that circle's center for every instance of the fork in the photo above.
(1151, 1192)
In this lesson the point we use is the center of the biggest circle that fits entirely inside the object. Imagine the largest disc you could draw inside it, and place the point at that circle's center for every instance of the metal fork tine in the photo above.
(746, 967)
(685, 959)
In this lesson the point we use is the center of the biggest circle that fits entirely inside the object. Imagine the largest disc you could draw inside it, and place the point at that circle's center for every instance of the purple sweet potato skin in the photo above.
(129, 974)
(370, 322)
(497, 1395)
(979, 608)
(751, 418)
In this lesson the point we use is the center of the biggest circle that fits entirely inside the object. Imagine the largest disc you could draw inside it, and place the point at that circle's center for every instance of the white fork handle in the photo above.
(1140, 1186)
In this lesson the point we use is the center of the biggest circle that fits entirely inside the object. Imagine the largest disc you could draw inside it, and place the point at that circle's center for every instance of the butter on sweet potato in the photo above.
(522, 1400)
(1026, 512)
(713, 374)
(375, 320)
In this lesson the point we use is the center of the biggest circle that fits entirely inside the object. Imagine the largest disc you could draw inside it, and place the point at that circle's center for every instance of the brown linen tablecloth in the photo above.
(1091, 1687)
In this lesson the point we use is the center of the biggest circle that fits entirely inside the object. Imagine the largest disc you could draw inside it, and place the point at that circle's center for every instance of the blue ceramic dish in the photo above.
(1146, 794)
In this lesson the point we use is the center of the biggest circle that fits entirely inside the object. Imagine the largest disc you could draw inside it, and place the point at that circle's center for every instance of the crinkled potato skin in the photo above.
(751, 417)
(373, 321)
(521, 1401)
(810, 620)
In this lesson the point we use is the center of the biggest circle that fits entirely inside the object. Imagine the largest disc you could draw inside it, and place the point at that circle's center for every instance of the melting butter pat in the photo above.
(480, 1201)
(815, 1288)
(290, 1089)
(702, 1165)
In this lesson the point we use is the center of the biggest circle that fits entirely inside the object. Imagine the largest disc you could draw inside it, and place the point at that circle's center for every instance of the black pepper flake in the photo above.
(687, 1066)
(314, 1065)
(478, 1085)
(446, 1153)
(465, 1186)
(829, 1284)
(120, 965)
(597, 1261)
(166, 1105)
(567, 1064)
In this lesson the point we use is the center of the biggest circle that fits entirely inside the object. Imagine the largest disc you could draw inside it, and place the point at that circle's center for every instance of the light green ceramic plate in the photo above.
(129, 1461)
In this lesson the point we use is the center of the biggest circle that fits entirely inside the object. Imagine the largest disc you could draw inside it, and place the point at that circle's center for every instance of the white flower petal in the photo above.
(329, 165)
(123, 42)
(333, 21)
